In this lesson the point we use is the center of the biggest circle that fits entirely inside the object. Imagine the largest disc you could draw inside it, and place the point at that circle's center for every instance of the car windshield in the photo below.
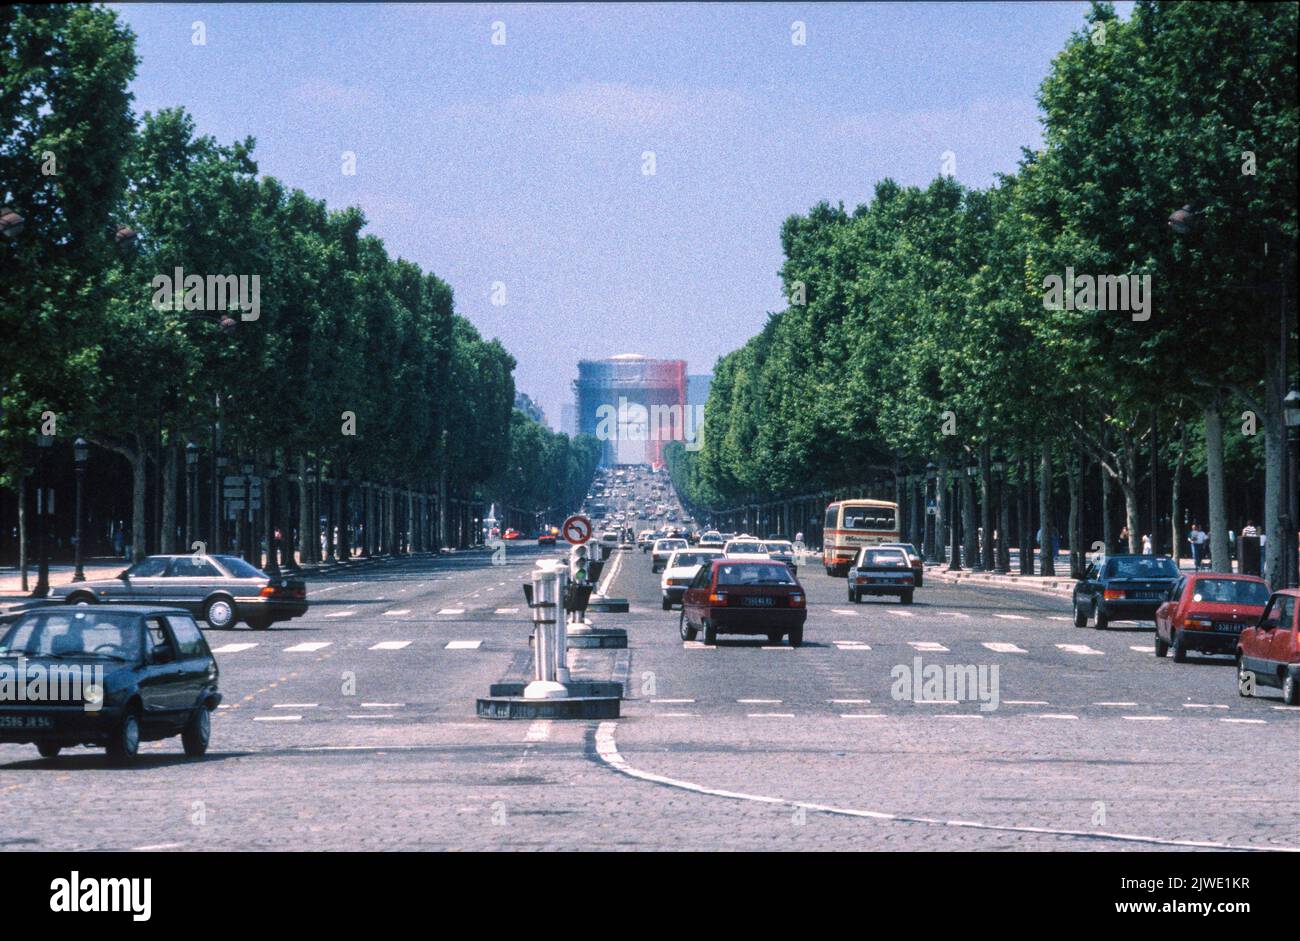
(883, 557)
(74, 632)
(682, 560)
(905, 546)
(1230, 591)
(239, 568)
(774, 574)
(780, 547)
(746, 548)
(1141, 567)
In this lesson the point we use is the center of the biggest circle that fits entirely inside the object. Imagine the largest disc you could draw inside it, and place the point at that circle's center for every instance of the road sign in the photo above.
(576, 530)
(232, 487)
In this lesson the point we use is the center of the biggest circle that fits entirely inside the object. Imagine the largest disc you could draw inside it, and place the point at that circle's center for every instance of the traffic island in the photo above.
(608, 605)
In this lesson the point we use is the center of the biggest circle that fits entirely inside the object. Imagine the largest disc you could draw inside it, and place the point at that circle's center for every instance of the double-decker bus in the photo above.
(852, 524)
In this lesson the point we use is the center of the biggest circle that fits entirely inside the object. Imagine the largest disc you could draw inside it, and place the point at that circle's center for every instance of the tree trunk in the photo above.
(1046, 528)
(305, 528)
(986, 508)
(1024, 509)
(940, 513)
(970, 546)
(139, 461)
(22, 527)
(167, 540)
(1274, 455)
(1107, 528)
(1074, 524)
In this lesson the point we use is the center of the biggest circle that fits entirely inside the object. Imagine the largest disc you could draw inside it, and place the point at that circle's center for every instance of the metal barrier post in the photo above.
(548, 632)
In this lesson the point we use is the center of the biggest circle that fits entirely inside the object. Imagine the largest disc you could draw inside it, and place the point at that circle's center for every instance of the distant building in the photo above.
(633, 404)
(569, 419)
(697, 389)
(525, 404)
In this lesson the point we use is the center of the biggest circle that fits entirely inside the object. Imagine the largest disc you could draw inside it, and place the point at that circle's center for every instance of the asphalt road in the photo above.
(354, 728)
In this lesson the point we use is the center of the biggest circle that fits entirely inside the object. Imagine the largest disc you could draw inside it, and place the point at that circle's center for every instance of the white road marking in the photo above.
(539, 731)
(1051, 715)
(1011, 617)
(1141, 649)
(233, 648)
(1146, 718)
(958, 715)
(321, 591)
(1025, 702)
(507, 610)
(391, 645)
(310, 646)
(382, 705)
(463, 645)
(156, 846)
(1201, 705)
(696, 645)
(1079, 648)
(1001, 647)
(397, 611)
(674, 715)
(1114, 704)
(769, 715)
(277, 718)
(901, 614)
(1057, 617)
(782, 647)
(845, 611)
(929, 646)
(849, 702)
(1250, 721)
(373, 715)
(954, 614)
(862, 715)
(340, 614)
(932, 702)
(760, 702)
(452, 611)
(850, 645)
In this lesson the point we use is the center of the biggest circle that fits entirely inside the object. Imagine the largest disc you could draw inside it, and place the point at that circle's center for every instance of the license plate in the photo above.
(1227, 627)
(26, 722)
(1147, 595)
(758, 601)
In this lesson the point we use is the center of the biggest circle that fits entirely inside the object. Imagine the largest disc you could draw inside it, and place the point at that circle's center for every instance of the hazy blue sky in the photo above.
(522, 163)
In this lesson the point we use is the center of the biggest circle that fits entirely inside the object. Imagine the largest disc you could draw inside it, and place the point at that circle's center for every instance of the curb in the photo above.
(1052, 586)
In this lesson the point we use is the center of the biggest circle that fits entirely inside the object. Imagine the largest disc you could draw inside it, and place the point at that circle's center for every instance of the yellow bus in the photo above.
(852, 524)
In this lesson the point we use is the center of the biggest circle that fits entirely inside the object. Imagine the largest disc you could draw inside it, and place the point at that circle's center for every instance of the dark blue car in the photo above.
(1123, 588)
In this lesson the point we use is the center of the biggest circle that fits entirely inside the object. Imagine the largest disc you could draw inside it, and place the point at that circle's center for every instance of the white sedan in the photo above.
(679, 570)
(663, 548)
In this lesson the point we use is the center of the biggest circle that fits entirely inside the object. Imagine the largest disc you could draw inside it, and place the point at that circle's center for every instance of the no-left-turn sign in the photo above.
(576, 530)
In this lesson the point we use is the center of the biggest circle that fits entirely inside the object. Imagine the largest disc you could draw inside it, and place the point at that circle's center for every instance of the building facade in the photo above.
(633, 405)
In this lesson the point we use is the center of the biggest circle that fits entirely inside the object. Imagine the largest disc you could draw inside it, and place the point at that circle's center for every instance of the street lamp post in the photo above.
(974, 557)
(44, 508)
(931, 530)
(220, 462)
(80, 454)
(1002, 549)
(246, 518)
(1291, 466)
(270, 523)
(191, 495)
(954, 528)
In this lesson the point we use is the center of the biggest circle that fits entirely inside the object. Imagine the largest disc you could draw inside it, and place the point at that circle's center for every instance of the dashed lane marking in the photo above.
(1146, 718)
(395, 612)
(668, 702)
(954, 614)
(850, 645)
(277, 718)
(1244, 721)
(1202, 705)
(848, 702)
(1127, 704)
(928, 646)
(463, 645)
(1025, 702)
(391, 645)
(1051, 715)
(382, 705)
(844, 611)
(769, 715)
(1011, 617)
(373, 715)
(507, 611)
(294, 705)
(233, 648)
(1000, 647)
(309, 646)
(901, 614)
(1141, 649)
(759, 702)
(340, 614)
(452, 611)
(1079, 649)
(862, 715)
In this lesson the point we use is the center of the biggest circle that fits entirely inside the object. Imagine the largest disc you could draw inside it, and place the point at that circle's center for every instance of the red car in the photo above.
(744, 596)
(1205, 612)
(547, 538)
(1268, 654)
(512, 534)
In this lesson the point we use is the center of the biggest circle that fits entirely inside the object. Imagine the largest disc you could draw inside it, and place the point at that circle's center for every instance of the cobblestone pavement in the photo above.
(354, 728)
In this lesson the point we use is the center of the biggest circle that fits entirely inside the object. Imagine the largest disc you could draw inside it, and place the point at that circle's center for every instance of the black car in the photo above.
(221, 589)
(878, 571)
(1123, 588)
(110, 677)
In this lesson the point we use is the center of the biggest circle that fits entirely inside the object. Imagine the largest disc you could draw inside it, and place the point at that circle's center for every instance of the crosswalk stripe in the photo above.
(452, 611)
(1078, 648)
(1000, 647)
(929, 646)
(310, 646)
(391, 645)
(396, 612)
(233, 648)
(463, 645)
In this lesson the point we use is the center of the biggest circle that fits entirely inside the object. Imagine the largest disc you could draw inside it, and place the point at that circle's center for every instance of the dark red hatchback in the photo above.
(744, 596)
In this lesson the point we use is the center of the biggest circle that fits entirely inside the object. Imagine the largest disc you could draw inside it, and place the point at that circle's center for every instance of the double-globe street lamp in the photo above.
(191, 495)
(80, 456)
(1002, 548)
(44, 509)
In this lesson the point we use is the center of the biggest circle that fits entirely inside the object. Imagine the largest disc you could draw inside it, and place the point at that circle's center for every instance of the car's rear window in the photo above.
(1141, 568)
(684, 559)
(884, 557)
(774, 574)
(1230, 591)
(239, 568)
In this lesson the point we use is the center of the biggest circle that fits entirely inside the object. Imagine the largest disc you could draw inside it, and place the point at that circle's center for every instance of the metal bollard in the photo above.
(551, 669)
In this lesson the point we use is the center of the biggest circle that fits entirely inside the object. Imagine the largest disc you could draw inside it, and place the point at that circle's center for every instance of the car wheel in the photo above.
(125, 743)
(1080, 615)
(49, 749)
(905, 597)
(81, 597)
(1180, 652)
(1290, 690)
(796, 637)
(1100, 621)
(194, 738)
(710, 634)
(220, 614)
(1162, 647)
(668, 605)
(684, 627)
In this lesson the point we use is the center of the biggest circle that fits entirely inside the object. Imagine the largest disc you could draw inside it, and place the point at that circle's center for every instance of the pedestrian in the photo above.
(1197, 538)
(119, 542)
(1249, 529)
(1146, 544)
(1123, 540)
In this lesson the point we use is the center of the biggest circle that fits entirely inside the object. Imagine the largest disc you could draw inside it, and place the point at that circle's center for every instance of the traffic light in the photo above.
(579, 557)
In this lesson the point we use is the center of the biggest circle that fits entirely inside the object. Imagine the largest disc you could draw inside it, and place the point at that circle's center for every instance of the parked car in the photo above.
(744, 596)
(133, 674)
(1268, 654)
(662, 549)
(879, 571)
(913, 558)
(1123, 588)
(681, 568)
(1206, 611)
(220, 589)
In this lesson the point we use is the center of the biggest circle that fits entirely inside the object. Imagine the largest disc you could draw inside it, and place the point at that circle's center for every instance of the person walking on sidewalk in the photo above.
(1146, 544)
(1123, 541)
(1197, 538)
